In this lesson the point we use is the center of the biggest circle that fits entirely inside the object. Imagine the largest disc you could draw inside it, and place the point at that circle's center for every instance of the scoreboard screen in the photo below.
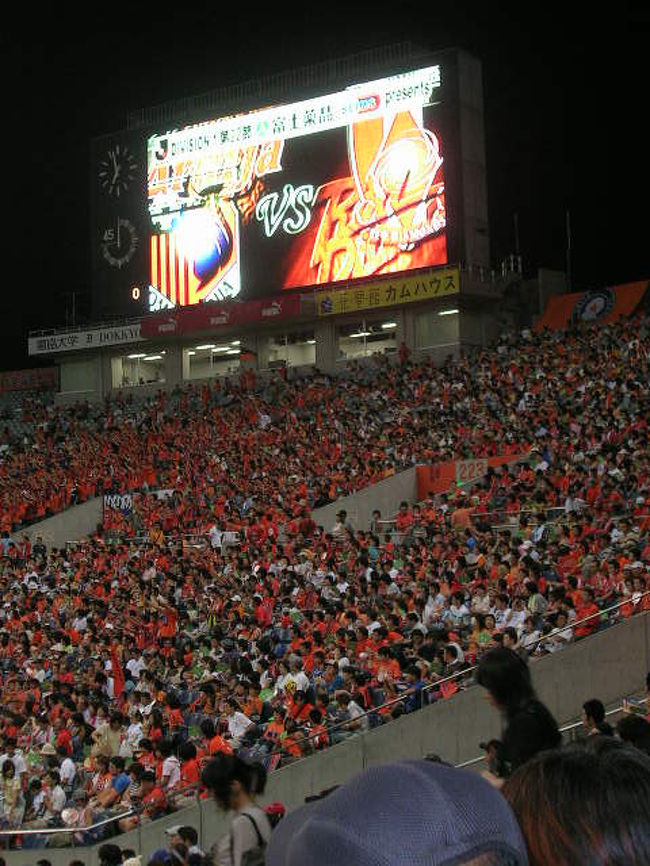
(340, 187)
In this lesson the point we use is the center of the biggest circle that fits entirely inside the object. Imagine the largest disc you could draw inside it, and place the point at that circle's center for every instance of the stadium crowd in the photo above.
(222, 619)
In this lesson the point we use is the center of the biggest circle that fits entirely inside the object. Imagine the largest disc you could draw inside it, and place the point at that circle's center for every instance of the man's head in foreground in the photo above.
(415, 813)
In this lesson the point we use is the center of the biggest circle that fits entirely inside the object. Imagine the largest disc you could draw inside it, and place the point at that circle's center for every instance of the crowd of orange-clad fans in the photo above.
(217, 615)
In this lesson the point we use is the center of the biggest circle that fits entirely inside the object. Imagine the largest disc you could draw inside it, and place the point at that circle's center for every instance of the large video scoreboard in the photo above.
(352, 184)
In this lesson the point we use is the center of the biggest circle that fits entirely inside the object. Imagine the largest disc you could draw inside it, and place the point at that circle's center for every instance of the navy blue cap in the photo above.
(409, 813)
(161, 856)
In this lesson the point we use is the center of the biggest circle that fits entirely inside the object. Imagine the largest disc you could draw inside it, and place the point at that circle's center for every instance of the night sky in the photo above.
(565, 109)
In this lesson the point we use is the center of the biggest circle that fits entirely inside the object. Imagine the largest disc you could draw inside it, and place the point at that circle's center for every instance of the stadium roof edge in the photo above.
(254, 93)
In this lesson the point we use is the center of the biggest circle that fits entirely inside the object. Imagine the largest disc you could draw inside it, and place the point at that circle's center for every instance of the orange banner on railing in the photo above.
(601, 305)
(439, 477)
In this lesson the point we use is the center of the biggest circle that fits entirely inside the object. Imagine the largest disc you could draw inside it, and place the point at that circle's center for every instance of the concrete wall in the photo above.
(386, 496)
(70, 525)
(609, 666)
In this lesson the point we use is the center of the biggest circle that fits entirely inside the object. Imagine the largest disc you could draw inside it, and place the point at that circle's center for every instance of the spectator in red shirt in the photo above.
(587, 610)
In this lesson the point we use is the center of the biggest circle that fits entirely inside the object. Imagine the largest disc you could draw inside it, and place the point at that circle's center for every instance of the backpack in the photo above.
(254, 856)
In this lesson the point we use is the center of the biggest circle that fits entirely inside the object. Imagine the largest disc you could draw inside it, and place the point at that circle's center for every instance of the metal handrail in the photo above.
(565, 729)
(367, 713)
(594, 617)
(329, 729)
(438, 683)
(47, 831)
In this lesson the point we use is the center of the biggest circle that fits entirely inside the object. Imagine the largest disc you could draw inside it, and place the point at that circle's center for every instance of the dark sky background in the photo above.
(565, 109)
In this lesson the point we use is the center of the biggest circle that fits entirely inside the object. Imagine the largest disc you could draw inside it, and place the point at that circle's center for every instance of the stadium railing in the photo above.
(453, 679)
(384, 709)
(47, 832)
(570, 730)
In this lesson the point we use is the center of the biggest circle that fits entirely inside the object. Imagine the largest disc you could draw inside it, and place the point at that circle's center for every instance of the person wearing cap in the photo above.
(342, 526)
(456, 818)
(187, 836)
(161, 857)
(172, 834)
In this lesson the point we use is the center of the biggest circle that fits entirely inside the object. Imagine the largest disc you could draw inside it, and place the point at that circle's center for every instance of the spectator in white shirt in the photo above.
(517, 616)
(136, 666)
(80, 623)
(357, 720)
(530, 636)
(54, 797)
(238, 723)
(297, 674)
(457, 616)
(15, 756)
(170, 775)
(561, 635)
(134, 730)
(501, 610)
(67, 769)
(434, 606)
(480, 600)
(215, 535)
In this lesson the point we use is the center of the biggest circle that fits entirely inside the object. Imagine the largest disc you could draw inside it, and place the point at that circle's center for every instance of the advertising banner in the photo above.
(118, 502)
(345, 186)
(600, 305)
(386, 293)
(95, 338)
(207, 317)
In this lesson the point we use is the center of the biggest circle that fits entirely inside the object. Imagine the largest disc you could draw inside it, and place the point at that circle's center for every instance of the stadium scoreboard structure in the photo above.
(373, 179)
(282, 222)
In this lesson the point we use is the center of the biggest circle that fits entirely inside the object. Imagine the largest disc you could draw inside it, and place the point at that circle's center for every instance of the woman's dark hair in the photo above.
(223, 770)
(506, 677)
(576, 805)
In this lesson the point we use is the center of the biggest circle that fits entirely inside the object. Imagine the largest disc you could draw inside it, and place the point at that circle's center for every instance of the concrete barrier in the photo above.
(71, 525)
(385, 496)
(81, 520)
(609, 665)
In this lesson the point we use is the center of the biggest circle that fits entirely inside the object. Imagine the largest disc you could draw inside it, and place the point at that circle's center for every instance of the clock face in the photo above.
(117, 170)
(119, 243)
